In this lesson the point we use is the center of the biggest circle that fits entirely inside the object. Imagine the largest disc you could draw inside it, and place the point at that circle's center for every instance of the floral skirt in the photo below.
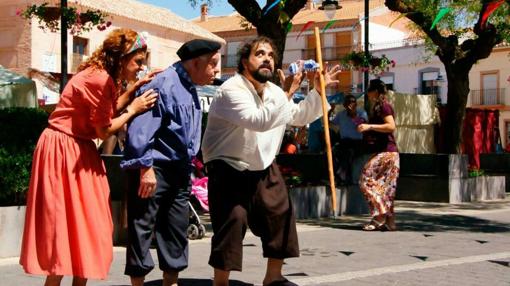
(378, 182)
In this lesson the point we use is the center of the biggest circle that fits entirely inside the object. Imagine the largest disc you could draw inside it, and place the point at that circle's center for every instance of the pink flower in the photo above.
(18, 12)
(108, 24)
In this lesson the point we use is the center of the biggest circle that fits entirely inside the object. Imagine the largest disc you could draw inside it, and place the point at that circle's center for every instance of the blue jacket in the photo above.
(171, 130)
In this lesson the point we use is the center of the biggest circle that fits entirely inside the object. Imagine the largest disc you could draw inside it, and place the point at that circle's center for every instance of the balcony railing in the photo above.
(493, 96)
(290, 55)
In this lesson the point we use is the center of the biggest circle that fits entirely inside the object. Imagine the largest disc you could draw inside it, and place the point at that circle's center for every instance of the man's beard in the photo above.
(261, 76)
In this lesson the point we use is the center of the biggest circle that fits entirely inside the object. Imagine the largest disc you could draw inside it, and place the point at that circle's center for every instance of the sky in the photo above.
(183, 7)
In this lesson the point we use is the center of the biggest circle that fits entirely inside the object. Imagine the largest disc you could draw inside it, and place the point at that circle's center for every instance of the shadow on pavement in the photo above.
(408, 220)
(475, 206)
(193, 282)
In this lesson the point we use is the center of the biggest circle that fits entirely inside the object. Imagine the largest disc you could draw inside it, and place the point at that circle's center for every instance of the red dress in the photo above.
(68, 223)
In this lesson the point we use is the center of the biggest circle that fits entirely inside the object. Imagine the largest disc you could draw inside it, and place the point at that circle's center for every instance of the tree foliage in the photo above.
(460, 39)
(272, 24)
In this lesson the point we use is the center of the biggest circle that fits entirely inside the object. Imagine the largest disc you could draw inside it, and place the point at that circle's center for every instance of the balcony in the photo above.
(488, 96)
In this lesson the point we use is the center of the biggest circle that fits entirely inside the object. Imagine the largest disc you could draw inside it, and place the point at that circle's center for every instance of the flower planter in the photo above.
(12, 220)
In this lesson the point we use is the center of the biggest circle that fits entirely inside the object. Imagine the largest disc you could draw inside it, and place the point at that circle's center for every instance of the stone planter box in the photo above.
(12, 220)
(315, 201)
(498, 165)
(444, 178)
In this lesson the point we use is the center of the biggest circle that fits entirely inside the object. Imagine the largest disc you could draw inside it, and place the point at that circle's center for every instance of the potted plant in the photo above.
(48, 18)
(22, 126)
(366, 62)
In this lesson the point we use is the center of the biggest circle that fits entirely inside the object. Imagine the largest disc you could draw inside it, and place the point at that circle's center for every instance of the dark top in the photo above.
(377, 142)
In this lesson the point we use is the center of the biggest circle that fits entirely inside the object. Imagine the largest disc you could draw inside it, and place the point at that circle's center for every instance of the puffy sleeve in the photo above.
(100, 94)
(233, 104)
(386, 110)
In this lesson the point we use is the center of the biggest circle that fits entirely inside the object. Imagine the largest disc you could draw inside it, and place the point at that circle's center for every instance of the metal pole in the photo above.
(325, 120)
(63, 46)
(365, 75)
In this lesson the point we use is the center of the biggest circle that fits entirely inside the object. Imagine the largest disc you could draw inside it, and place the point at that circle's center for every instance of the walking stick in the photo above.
(325, 119)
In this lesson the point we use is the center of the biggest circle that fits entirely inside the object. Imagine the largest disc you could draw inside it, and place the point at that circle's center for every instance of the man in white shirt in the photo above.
(245, 128)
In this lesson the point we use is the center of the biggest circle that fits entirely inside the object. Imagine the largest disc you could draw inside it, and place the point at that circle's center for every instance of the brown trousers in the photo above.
(258, 199)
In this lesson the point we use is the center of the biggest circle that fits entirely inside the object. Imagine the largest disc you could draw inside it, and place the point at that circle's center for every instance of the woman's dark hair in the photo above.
(245, 50)
(378, 86)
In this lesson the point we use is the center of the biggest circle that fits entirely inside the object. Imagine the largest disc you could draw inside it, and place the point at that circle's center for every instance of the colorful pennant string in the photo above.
(271, 7)
(491, 7)
(398, 18)
(288, 28)
(442, 12)
(329, 24)
(305, 27)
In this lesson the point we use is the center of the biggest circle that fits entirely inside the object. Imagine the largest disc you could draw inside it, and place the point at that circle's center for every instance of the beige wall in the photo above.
(499, 62)
(15, 37)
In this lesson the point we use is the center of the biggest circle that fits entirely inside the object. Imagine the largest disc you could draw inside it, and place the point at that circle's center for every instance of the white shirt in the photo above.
(246, 131)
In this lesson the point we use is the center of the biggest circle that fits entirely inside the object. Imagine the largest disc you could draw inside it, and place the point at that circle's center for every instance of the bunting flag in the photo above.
(439, 16)
(288, 28)
(490, 8)
(398, 18)
(329, 24)
(305, 27)
(357, 22)
(270, 7)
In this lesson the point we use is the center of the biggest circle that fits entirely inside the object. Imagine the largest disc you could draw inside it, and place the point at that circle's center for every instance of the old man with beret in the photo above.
(160, 145)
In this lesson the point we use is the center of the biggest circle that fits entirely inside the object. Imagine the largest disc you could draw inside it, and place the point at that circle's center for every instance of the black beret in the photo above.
(196, 48)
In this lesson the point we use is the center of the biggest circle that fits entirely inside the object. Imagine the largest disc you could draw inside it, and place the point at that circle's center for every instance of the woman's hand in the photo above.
(147, 78)
(143, 102)
(291, 83)
(364, 127)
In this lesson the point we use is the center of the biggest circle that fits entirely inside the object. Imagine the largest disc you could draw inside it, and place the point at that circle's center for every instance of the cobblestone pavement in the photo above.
(436, 244)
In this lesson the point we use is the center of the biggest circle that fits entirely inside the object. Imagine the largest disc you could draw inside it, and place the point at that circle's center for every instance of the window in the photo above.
(490, 91)
(429, 82)
(80, 46)
(389, 80)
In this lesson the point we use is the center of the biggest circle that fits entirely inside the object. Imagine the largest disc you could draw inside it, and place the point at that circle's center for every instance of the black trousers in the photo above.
(258, 199)
(166, 215)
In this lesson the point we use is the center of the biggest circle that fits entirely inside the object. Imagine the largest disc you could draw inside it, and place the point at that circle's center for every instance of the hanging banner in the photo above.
(439, 16)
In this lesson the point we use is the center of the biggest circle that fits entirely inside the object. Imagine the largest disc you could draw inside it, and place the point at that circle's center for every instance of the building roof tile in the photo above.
(149, 14)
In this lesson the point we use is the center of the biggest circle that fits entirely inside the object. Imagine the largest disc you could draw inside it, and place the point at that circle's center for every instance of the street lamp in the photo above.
(330, 7)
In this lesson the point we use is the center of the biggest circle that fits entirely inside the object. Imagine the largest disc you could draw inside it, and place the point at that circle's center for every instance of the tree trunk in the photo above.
(277, 33)
(458, 90)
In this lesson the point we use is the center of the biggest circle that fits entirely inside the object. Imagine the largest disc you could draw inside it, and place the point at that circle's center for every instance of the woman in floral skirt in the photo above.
(378, 180)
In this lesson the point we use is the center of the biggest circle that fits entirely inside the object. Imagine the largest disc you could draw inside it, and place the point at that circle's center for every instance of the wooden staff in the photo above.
(325, 119)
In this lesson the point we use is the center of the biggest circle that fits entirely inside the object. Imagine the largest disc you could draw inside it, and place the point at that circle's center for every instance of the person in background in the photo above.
(350, 143)
(160, 147)
(246, 124)
(68, 224)
(378, 180)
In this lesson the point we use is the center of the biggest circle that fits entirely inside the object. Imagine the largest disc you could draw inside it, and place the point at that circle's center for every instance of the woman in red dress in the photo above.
(68, 224)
